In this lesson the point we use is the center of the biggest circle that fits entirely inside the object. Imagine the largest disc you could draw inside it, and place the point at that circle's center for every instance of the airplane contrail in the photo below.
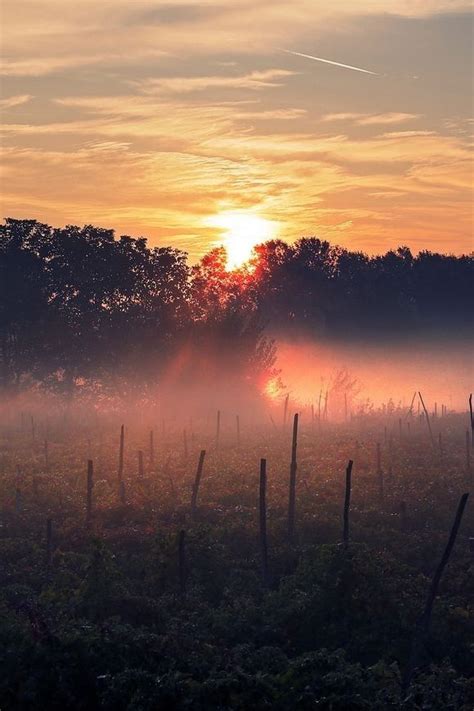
(329, 61)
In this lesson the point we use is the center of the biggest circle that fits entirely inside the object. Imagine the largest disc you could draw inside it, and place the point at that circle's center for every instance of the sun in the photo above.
(242, 231)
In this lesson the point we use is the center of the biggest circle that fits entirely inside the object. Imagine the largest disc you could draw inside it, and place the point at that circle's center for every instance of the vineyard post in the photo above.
(427, 419)
(122, 492)
(263, 520)
(347, 503)
(237, 423)
(90, 486)
(293, 467)
(472, 420)
(46, 454)
(141, 468)
(197, 482)
(423, 624)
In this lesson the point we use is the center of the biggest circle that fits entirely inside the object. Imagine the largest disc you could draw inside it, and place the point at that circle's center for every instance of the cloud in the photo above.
(371, 119)
(13, 101)
(254, 81)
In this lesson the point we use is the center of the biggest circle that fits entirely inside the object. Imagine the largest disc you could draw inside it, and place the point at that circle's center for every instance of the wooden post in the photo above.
(197, 482)
(237, 423)
(141, 468)
(49, 542)
(90, 486)
(218, 428)
(423, 624)
(347, 503)
(427, 419)
(121, 451)
(400, 430)
(440, 444)
(472, 420)
(182, 562)
(122, 492)
(263, 520)
(151, 450)
(293, 467)
(33, 428)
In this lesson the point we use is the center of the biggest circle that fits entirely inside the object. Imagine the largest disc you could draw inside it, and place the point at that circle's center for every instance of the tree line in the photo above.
(80, 307)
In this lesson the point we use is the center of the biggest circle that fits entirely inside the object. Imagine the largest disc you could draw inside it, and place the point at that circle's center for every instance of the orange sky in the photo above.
(154, 118)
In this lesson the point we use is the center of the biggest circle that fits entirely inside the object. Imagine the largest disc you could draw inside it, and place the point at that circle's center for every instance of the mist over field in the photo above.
(236, 356)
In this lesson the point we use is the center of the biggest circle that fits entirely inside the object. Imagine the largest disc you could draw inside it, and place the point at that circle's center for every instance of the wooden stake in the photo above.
(197, 482)
(141, 468)
(237, 423)
(423, 624)
(427, 419)
(293, 467)
(347, 503)
(472, 420)
(263, 520)
(122, 492)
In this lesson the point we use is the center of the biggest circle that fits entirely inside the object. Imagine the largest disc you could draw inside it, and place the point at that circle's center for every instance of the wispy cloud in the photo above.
(392, 117)
(180, 85)
(13, 101)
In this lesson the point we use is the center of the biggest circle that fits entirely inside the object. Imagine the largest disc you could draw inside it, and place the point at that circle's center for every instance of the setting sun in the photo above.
(241, 232)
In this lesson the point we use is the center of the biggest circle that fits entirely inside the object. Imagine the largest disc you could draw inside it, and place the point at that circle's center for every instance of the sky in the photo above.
(162, 118)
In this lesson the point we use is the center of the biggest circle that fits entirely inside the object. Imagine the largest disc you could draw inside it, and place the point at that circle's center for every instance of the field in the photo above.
(120, 590)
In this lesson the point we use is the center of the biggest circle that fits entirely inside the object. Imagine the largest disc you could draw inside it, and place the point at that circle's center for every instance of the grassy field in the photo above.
(130, 599)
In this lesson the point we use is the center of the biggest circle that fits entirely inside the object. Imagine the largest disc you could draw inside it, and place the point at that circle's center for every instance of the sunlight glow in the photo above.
(242, 231)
